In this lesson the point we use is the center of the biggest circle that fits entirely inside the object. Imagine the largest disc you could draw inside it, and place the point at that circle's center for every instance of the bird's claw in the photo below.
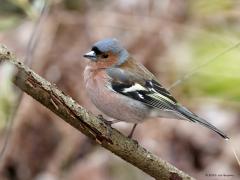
(109, 123)
(104, 120)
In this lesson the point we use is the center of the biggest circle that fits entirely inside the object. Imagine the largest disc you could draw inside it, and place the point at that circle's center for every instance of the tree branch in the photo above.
(78, 117)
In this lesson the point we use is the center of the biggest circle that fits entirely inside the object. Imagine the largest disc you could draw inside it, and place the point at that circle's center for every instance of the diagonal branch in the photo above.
(78, 117)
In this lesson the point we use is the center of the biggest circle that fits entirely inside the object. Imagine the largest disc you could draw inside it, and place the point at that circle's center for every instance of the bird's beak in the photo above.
(90, 55)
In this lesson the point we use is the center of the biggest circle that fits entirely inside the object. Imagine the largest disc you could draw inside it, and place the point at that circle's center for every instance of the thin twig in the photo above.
(28, 61)
(195, 70)
(36, 34)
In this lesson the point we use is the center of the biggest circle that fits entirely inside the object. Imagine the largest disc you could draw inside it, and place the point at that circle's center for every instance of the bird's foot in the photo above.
(109, 123)
(104, 120)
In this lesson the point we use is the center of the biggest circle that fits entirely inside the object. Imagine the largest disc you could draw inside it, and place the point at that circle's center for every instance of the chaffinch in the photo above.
(125, 90)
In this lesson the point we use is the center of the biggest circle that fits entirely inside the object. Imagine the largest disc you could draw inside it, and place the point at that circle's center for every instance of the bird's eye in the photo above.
(105, 56)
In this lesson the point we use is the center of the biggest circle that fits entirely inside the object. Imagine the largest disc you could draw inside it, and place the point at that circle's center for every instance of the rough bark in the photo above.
(78, 117)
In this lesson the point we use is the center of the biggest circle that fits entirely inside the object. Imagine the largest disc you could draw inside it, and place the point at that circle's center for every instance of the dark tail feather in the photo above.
(189, 115)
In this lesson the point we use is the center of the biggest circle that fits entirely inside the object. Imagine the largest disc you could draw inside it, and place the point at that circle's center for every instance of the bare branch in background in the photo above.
(74, 114)
(28, 61)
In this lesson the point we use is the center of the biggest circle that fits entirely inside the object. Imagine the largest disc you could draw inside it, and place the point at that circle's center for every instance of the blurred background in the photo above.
(171, 38)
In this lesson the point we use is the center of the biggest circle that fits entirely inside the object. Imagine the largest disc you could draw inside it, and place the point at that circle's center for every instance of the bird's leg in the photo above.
(106, 121)
(116, 121)
(132, 131)
(102, 119)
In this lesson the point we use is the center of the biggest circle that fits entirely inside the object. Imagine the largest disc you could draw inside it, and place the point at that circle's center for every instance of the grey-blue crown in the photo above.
(112, 45)
(109, 45)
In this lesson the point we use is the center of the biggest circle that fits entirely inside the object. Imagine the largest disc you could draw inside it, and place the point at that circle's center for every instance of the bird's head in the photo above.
(107, 51)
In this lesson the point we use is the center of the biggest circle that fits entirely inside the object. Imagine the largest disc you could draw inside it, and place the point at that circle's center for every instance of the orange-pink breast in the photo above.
(109, 102)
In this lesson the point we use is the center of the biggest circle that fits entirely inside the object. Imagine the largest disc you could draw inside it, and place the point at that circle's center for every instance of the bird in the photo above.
(123, 89)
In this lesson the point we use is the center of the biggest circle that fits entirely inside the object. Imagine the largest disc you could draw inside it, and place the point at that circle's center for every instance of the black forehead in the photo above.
(96, 50)
(107, 45)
